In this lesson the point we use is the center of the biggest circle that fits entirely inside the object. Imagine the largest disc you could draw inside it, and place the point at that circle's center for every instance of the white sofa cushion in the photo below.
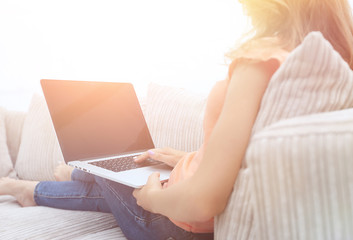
(6, 166)
(302, 174)
(39, 151)
(313, 79)
(175, 117)
(50, 223)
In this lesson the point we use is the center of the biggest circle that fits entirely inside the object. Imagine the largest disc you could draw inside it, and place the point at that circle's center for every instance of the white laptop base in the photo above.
(135, 178)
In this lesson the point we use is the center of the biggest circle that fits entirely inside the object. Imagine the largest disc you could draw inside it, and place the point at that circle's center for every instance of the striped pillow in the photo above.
(313, 79)
(39, 151)
(175, 117)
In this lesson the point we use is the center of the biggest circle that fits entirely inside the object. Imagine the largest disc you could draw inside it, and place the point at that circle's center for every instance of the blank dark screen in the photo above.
(96, 119)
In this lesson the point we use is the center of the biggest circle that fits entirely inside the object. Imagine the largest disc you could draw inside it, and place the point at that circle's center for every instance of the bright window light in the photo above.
(172, 42)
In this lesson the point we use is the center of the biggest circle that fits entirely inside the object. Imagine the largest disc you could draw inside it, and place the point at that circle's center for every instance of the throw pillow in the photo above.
(39, 151)
(175, 117)
(6, 166)
(314, 78)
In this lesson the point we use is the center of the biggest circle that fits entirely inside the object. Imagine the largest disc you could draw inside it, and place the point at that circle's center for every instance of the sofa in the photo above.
(295, 182)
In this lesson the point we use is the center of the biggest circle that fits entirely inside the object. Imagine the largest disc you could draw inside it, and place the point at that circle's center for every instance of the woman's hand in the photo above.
(144, 195)
(168, 156)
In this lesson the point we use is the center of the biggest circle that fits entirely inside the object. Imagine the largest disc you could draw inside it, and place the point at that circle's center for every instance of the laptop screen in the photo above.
(96, 119)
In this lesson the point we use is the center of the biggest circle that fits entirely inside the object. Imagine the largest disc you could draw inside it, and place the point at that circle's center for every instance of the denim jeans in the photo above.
(87, 192)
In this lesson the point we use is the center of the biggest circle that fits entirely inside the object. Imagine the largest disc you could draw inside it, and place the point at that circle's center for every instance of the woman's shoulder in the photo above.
(263, 50)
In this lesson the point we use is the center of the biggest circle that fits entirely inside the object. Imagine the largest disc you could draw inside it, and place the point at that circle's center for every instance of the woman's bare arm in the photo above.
(206, 194)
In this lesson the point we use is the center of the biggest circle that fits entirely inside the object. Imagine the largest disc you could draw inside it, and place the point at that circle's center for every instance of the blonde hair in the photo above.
(289, 21)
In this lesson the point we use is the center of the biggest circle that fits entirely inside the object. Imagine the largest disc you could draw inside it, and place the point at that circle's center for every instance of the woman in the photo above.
(201, 182)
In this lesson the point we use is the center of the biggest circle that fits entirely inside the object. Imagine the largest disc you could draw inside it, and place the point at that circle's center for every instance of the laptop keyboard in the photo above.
(123, 163)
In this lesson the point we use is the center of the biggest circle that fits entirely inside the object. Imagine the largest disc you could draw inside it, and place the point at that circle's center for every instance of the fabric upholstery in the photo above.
(6, 166)
(175, 117)
(301, 170)
(50, 223)
(39, 151)
(14, 122)
(313, 79)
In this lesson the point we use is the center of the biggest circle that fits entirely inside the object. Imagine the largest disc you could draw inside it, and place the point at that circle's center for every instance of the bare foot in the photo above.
(22, 190)
(63, 172)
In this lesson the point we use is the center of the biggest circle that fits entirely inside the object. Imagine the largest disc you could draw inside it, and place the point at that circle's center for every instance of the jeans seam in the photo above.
(60, 197)
(36, 193)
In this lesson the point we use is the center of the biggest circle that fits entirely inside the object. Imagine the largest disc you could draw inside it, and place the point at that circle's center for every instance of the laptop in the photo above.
(100, 128)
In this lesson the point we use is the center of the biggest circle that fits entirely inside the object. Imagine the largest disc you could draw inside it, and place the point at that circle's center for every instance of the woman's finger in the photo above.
(142, 194)
(140, 158)
(168, 156)
(153, 180)
(152, 153)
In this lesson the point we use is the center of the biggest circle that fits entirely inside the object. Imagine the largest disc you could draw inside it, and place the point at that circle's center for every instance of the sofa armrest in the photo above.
(302, 181)
(14, 122)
